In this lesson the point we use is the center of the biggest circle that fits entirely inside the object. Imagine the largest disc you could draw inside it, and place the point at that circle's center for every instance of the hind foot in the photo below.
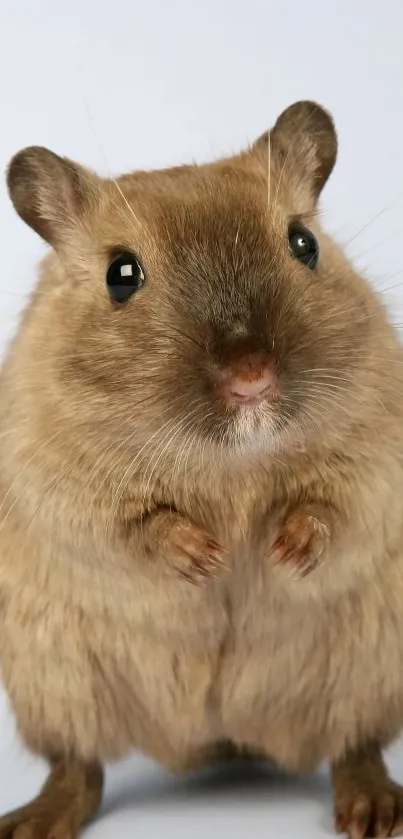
(70, 797)
(367, 802)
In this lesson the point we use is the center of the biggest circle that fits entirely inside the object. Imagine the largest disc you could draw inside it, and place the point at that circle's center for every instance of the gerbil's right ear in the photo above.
(49, 192)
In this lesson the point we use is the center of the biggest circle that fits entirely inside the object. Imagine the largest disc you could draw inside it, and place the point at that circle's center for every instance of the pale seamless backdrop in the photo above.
(123, 84)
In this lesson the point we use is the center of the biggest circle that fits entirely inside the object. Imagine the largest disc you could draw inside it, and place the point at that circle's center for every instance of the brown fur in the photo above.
(112, 439)
(68, 799)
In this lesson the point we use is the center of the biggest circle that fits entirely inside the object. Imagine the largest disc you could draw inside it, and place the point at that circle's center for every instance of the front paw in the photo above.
(302, 542)
(192, 553)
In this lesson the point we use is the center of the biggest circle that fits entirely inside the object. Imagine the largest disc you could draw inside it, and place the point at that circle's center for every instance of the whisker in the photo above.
(268, 167)
(181, 426)
(113, 179)
(373, 219)
(23, 470)
(126, 477)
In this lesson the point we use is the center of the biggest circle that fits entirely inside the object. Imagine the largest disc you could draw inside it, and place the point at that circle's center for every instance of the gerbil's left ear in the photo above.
(303, 150)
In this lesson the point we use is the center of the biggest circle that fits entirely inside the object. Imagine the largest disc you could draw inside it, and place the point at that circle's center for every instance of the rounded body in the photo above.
(237, 379)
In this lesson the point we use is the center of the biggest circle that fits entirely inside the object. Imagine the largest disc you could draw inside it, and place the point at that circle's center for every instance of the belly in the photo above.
(307, 675)
(172, 670)
(124, 664)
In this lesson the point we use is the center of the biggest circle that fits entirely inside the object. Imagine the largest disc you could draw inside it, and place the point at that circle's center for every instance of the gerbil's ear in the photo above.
(49, 192)
(303, 149)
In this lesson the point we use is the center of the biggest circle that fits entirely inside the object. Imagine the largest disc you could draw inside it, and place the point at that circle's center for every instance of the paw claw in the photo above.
(215, 546)
(217, 559)
(302, 542)
(195, 556)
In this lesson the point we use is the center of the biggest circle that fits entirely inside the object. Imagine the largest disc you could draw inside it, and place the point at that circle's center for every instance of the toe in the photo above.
(397, 827)
(8, 825)
(385, 816)
(341, 818)
(61, 830)
(360, 818)
(25, 831)
(37, 829)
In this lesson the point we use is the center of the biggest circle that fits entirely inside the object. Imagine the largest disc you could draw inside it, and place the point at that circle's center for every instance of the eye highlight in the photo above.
(124, 276)
(303, 245)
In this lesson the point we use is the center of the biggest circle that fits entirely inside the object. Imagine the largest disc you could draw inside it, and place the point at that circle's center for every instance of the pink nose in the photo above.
(249, 381)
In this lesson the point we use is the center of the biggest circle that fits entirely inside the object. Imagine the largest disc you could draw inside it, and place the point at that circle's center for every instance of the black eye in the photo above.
(303, 245)
(124, 276)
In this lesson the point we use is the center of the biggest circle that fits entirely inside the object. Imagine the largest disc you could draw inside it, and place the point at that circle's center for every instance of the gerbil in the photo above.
(201, 470)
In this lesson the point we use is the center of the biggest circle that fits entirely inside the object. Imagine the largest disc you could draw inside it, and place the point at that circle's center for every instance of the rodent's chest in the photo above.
(237, 512)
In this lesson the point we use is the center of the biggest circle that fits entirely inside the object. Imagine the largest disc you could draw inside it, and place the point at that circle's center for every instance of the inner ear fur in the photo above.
(49, 192)
(303, 147)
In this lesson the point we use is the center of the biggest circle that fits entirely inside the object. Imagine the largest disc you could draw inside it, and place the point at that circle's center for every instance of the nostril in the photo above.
(246, 389)
(247, 382)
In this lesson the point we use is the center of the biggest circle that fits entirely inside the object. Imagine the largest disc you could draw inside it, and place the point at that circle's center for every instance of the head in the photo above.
(200, 303)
